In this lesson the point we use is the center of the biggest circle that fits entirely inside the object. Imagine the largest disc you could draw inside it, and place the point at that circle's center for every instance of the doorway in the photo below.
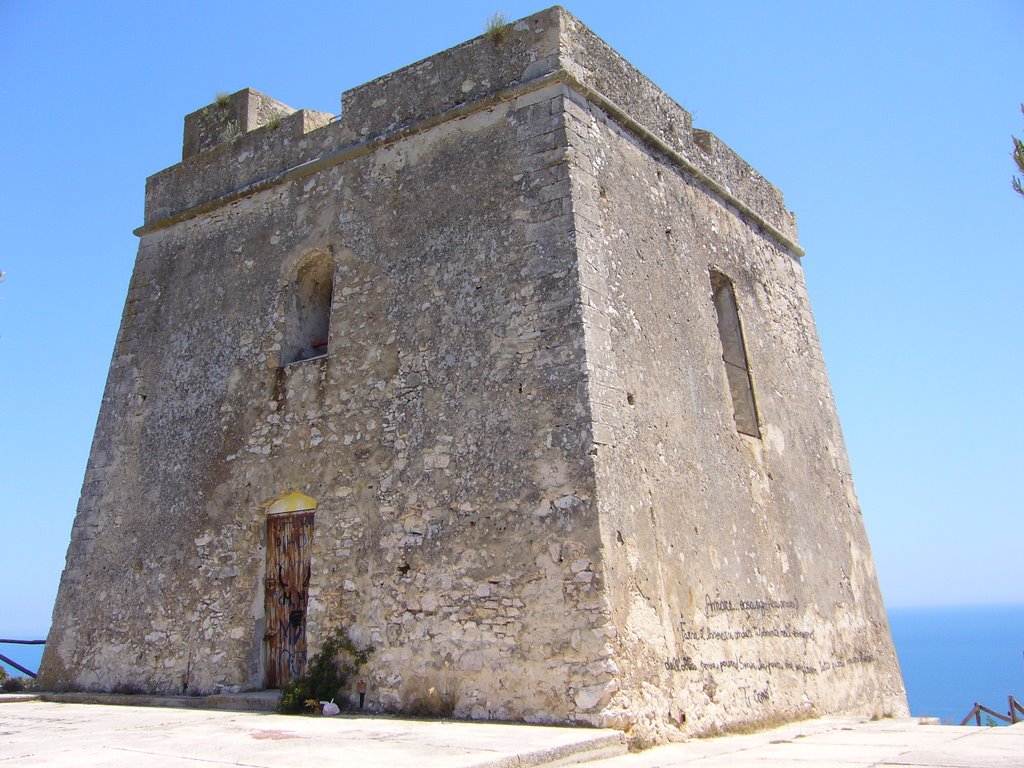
(289, 539)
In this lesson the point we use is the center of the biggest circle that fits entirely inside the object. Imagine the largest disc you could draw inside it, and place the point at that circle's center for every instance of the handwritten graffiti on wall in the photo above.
(687, 664)
(705, 633)
(762, 605)
(705, 643)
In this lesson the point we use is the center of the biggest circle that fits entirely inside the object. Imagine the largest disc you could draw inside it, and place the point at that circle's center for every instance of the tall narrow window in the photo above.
(308, 313)
(734, 353)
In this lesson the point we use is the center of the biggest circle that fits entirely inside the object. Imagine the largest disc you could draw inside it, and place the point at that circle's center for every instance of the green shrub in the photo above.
(12, 684)
(328, 670)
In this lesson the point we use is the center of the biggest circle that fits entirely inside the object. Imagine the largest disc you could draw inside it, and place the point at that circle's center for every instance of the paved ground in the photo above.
(37, 733)
(842, 743)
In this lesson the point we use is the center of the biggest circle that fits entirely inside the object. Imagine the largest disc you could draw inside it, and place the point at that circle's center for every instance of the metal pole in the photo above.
(17, 666)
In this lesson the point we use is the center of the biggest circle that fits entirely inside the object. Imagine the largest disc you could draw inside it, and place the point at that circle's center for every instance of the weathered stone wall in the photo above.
(741, 581)
(531, 497)
(442, 435)
(622, 88)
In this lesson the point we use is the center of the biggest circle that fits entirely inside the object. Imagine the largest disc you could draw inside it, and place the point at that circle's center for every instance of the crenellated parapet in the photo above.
(247, 141)
(229, 117)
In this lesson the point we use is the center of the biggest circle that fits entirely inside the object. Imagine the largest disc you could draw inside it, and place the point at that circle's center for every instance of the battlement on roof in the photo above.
(246, 141)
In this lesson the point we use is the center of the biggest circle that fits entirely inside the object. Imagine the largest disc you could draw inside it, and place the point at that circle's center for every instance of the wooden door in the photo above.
(289, 537)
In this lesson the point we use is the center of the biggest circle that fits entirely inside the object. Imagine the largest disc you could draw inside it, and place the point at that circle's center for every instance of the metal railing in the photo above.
(16, 665)
(1009, 718)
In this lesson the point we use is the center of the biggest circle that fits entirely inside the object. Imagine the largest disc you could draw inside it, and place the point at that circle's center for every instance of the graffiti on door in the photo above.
(289, 537)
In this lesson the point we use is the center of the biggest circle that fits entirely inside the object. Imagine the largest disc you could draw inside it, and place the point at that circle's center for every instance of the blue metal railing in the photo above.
(15, 664)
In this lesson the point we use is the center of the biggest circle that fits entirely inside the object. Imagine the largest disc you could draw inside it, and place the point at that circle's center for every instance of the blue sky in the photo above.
(886, 125)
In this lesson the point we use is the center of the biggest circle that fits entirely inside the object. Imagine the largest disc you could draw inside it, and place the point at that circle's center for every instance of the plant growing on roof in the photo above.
(497, 27)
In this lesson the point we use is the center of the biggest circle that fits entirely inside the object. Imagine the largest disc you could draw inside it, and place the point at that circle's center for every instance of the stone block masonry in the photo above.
(448, 372)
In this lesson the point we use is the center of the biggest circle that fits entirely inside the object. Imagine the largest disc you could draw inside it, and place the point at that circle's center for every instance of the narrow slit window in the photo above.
(734, 354)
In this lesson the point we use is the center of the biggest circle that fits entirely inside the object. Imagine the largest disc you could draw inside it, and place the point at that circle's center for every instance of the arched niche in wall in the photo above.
(308, 310)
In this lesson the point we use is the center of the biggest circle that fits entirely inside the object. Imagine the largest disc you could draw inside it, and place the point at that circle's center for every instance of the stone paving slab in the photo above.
(834, 742)
(39, 733)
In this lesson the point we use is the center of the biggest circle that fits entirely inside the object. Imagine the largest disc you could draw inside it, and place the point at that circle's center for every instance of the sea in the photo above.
(951, 657)
(955, 656)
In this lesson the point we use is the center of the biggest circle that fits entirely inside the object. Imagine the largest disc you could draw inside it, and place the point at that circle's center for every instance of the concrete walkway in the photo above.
(38, 733)
(41, 733)
(834, 742)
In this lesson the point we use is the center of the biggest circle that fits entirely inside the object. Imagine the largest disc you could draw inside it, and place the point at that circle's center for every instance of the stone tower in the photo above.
(509, 372)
